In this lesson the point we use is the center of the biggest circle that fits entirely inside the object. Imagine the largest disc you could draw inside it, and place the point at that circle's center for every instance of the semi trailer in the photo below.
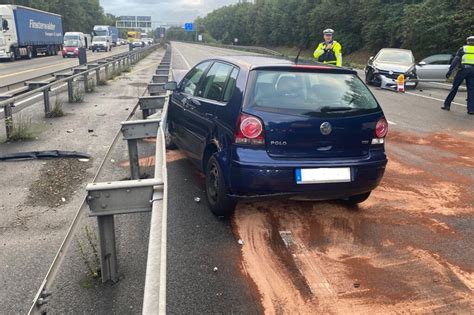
(28, 32)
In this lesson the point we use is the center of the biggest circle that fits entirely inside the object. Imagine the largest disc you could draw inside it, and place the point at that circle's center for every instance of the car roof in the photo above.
(252, 62)
(396, 49)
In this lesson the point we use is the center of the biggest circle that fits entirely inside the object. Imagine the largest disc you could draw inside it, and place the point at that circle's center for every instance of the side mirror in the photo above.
(371, 58)
(171, 86)
(422, 63)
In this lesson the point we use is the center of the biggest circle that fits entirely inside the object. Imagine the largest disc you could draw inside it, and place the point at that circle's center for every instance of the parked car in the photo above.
(388, 64)
(263, 127)
(71, 48)
(434, 68)
(101, 43)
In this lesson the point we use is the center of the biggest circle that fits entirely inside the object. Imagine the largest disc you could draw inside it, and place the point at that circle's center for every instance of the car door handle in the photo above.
(194, 102)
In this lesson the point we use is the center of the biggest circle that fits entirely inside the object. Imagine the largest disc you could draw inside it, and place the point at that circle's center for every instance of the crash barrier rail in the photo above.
(117, 62)
(255, 49)
(154, 296)
(108, 199)
(136, 195)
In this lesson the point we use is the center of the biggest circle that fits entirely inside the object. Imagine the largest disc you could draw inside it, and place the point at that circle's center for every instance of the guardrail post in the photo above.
(8, 114)
(97, 75)
(108, 259)
(47, 105)
(106, 72)
(70, 90)
(85, 81)
(133, 158)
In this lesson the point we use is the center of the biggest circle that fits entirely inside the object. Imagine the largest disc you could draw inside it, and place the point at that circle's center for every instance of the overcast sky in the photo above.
(167, 11)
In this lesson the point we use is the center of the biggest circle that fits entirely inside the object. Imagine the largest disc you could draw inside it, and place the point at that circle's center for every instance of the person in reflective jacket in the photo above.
(465, 57)
(329, 51)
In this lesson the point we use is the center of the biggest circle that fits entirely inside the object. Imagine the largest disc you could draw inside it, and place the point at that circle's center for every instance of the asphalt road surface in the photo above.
(409, 248)
(25, 69)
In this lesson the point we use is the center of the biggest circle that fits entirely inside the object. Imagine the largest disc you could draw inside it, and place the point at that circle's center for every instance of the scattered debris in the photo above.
(356, 285)
(103, 114)
(90, 130)
(70, 130)
(83, 160)
(241, 242)
(197, 199)
(112, 161)
(57, 182)
(215, 269)
(36, 155)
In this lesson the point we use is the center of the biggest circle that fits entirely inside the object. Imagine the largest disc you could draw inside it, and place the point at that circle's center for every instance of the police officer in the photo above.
(329, 51)
(465, 56)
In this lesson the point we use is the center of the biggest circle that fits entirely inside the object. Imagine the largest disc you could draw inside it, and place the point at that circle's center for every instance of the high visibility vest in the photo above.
(333, 56)
(468, 56)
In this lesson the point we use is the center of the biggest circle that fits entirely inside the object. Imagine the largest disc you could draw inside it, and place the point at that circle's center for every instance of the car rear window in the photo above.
(309, 93)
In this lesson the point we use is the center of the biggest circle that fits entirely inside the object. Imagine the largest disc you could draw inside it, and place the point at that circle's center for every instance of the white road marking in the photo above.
(182, 57)
(434, 98)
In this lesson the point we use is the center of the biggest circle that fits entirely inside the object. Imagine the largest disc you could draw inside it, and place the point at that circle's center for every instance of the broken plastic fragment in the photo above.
(215, 269)
(197, 199)
(241, 242)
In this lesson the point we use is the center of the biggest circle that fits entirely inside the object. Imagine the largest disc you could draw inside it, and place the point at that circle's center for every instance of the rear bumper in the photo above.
(250, 180)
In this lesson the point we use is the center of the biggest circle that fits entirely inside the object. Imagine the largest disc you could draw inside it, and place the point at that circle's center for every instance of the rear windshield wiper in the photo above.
(327, 109)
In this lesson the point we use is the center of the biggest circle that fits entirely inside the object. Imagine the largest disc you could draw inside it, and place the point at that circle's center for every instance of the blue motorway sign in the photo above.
(188, 27)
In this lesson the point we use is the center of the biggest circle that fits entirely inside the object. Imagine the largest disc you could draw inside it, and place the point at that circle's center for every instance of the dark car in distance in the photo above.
(264, 127)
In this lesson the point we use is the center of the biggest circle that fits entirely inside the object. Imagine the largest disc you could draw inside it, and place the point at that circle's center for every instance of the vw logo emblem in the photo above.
(390, 72)
(325, 128)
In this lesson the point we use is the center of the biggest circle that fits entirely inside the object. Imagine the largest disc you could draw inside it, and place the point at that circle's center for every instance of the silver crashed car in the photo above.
(384, 69)
(389, 63)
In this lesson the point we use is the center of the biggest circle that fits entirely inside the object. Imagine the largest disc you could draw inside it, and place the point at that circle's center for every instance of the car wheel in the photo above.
(12, 55)
(413, 87)
(216, 191)
(170, 145)
(30, 53)
(354, 200)
(369, 77)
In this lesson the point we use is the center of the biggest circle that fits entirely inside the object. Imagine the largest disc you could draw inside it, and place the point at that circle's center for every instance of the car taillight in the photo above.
(381, 129)
(249, 130)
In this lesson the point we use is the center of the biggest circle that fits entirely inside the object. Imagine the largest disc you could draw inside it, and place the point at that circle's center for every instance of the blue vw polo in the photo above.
(263, 127)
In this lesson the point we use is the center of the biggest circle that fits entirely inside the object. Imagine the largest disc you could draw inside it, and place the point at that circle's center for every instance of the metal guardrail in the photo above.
(104, 201)
(256, 49)
(154, 297)
(120, 60)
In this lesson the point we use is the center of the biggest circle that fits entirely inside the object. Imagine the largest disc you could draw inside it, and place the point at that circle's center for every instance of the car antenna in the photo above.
(301, 48)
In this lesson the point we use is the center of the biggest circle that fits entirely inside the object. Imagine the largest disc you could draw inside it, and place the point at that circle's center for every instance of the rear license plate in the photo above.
(323, 175)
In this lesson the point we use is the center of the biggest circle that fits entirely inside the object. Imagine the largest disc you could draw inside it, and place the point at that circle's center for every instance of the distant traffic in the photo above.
(28, 33)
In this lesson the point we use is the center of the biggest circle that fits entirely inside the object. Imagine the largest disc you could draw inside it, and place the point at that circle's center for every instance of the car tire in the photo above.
(12, 55)
(169, 144)
(369, 77)
(414, 86)
(219, 202)
(356, 199)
